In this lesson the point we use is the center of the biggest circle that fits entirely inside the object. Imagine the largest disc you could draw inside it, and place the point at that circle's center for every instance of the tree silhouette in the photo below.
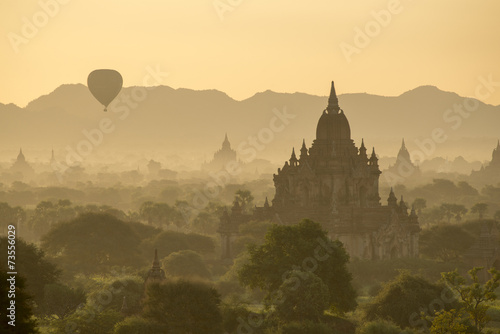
(480, 209)
(36, 269)
(245, 199)
(184, 307)
(305, 297)
(186, 263)
(24, 323)
(92, 243)
(419, 204)
(453, 210)
(304, 244)
(445, 242)
(402, 299)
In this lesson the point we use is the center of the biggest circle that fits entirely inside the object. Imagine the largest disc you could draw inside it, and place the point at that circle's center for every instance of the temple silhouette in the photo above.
(491, 172)
(403, 164)
(22, 166)
(224, 155)
(335, 184)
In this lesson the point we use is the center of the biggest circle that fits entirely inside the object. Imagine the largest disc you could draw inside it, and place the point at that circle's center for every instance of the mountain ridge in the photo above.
(186, 120)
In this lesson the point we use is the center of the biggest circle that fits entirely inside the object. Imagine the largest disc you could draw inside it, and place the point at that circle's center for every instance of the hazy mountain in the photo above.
(183, 120)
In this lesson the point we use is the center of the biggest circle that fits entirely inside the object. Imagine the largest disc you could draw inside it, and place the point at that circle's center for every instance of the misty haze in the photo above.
(249, 167)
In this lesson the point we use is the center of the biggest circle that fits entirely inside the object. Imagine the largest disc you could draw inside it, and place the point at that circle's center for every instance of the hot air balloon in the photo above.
(105, 85)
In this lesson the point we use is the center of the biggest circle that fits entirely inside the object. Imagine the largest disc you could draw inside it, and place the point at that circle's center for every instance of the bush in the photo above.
(184, 307)
(304, 297)
(234, 316)
(494, 313)
(402, 300)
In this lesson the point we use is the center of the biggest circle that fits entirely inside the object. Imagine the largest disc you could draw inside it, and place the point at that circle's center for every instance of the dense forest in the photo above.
(84, 254)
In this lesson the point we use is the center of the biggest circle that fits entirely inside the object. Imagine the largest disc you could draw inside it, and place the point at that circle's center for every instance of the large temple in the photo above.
(336, 184)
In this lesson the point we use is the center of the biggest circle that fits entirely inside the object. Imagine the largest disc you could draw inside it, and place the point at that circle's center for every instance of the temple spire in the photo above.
(403, 147)
(20, 156)
(333, 101)
(225, 144)
(293, 158)
(155, 273)
(362, 151)
(392, 200)
(303, 150)
(156, 262)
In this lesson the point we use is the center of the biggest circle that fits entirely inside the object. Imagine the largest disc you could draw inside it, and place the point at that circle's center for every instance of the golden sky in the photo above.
(247, 46)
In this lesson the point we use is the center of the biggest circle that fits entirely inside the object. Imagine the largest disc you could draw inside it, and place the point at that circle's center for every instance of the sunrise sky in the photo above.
(247, 46)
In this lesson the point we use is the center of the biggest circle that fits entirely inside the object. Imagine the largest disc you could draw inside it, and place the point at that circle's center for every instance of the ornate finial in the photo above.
(403, 146)
(333, 101)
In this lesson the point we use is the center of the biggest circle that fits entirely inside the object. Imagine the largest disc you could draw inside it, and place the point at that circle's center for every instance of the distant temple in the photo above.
(21, 166)
(53, 161)
(221, 157)
(490, 172)
(155, 274)
(403, 168)
(335, 184)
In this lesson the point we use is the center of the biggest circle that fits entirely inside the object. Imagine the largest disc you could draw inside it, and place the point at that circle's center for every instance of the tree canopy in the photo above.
(186, 263)
(93, 242)
(445, 242)
(24, 323)
(402, 300)
(34, 266)
(303, 246)
(184, 307)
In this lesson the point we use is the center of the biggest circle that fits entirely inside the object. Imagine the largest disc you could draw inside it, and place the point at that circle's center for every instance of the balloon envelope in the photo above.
(105, 85)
